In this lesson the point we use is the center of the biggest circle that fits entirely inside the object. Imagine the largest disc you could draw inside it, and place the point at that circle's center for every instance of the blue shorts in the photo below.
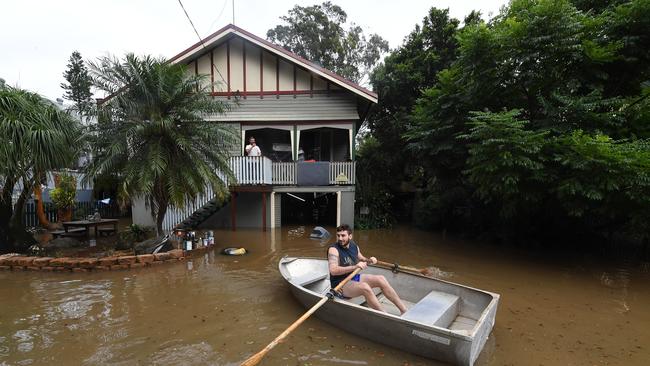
(356, 278)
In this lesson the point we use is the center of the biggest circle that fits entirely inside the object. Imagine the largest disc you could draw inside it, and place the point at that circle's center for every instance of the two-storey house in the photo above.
(304, 119)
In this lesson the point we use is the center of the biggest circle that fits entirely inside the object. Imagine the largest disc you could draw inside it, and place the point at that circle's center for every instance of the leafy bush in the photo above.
(63, 196)
(135, 233)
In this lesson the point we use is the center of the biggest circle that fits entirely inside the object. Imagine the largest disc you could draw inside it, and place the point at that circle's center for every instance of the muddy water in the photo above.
(218, 310)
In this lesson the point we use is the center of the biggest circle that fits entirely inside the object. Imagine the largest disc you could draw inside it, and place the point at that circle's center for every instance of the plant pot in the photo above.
(65, 214)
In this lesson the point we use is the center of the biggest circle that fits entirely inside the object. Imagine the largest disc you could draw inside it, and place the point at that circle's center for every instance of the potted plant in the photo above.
(63, 196)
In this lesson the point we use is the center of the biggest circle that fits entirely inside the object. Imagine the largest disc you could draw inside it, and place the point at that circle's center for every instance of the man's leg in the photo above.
(354, 289)
(381, 282)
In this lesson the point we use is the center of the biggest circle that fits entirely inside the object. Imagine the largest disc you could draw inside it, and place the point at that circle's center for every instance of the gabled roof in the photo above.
(231, 29)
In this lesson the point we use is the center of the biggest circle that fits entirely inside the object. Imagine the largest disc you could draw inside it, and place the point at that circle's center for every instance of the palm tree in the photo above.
(152, 132)
(35, 137)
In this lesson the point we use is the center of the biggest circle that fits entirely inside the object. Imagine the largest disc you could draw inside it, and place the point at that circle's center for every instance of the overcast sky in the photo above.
(37, 37)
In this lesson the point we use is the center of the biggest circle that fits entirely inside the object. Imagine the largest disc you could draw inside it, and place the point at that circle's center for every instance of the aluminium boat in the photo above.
(444, 321)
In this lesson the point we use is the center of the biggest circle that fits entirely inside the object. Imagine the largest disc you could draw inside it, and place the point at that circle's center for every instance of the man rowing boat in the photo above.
(344, 257)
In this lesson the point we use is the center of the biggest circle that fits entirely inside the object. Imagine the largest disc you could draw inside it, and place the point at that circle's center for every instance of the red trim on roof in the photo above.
(281, 50)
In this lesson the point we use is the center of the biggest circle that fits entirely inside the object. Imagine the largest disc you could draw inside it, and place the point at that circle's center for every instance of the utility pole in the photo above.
(233, 12)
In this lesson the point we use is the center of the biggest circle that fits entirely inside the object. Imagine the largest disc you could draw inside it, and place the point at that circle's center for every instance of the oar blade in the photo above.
(256, 358)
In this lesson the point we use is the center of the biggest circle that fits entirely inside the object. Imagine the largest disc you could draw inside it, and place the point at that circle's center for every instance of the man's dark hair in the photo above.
(344, 227)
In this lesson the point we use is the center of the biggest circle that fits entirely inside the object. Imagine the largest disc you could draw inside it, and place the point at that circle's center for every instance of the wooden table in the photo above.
(87, 224)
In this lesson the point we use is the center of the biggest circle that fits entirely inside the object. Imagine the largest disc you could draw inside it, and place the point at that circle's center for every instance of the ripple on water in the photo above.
(186, 355)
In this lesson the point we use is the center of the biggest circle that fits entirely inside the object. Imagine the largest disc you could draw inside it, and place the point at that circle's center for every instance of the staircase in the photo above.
(200, 215)
(193, 213)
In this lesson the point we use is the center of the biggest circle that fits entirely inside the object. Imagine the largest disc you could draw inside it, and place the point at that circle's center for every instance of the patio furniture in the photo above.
(87, 224)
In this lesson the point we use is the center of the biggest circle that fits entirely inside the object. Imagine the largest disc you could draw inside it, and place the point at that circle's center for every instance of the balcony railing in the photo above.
(256, 171)
(251, 169)
(284, 173)
(342, 172)
(261, 170)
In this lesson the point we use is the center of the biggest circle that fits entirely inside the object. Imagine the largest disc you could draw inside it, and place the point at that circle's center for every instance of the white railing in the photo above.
(284, 173)
(251, 169)
(258, 170)
(176, 215)
(246, 170)
(342, 172)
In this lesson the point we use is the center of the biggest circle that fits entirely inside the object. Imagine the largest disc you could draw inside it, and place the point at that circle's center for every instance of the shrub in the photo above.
(63, 196)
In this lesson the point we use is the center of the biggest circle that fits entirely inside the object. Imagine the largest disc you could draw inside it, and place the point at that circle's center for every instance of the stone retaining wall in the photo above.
(46, 264)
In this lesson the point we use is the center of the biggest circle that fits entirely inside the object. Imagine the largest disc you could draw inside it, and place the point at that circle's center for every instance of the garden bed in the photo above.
(16, 262)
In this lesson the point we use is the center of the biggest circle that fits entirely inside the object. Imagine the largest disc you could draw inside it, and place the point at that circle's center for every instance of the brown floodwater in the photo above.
(555, 309)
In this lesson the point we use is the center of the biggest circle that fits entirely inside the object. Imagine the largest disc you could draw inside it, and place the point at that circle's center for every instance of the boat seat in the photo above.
(436, 308)
(308, 278)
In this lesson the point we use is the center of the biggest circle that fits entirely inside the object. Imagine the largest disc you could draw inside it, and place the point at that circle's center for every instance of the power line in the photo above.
(225, 2)
(200, 39)
(191, 23)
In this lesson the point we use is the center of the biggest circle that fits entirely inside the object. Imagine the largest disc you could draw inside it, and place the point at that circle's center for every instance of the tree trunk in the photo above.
(40, 211)
(160, 217)
(5, 233)
(6, 208)
(13, 236)
(21, 238)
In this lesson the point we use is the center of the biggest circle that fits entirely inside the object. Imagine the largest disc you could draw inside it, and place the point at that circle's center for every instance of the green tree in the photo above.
(35, 137)
(154, 135)
(317, 33)
(574, 89)
(430, 48)
(77, 88)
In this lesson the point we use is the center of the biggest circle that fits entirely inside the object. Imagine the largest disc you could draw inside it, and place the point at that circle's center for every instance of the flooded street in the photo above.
(219, 310)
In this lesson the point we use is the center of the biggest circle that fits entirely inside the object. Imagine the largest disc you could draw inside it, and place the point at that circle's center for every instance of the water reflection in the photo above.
(216, 309)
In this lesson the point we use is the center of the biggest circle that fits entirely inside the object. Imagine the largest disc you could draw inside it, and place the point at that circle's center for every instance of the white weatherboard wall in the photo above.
(140, 214)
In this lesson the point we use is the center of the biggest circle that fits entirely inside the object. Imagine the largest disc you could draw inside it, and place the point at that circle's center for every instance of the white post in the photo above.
(243, 142)
(272, 211)
(350, 134)
(293, 149)
(338, 208)
(297, 145)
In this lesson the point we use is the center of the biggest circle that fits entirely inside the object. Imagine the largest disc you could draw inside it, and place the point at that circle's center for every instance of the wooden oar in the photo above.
(256, 358)
(397, 267)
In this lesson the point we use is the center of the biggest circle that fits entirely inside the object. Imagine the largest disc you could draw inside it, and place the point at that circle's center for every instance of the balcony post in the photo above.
(263, 211)
(233, 210)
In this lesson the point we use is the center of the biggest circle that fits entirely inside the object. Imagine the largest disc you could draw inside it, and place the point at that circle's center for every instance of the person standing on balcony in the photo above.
(252, 149)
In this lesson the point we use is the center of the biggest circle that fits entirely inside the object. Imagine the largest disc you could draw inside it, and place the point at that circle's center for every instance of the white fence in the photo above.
(284, 173)
(342, 172)
(251, 169)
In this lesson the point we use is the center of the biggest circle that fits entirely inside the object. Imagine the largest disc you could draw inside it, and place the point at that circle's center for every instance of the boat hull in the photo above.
(459, 348)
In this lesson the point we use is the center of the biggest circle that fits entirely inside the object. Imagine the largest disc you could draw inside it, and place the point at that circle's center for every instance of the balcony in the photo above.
(260, 170)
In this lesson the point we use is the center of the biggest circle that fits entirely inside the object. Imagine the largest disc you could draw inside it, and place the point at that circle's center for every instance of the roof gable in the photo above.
(230, 31)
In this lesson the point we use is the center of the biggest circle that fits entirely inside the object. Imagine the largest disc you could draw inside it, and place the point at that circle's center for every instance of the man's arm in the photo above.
(372, 260)
(333, 263)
